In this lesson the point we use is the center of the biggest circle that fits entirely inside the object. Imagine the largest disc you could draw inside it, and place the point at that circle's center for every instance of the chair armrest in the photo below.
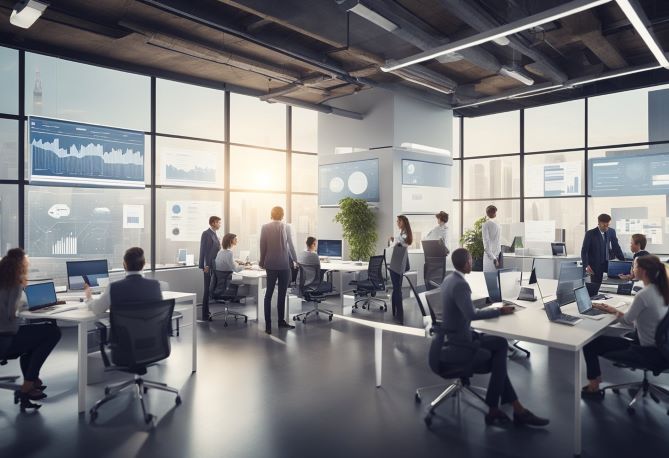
(104, 340)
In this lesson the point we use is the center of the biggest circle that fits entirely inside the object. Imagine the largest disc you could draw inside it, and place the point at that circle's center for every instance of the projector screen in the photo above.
(633, 175)
(357, 179)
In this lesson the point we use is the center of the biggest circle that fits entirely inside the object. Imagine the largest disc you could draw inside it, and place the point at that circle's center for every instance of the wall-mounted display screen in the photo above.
(557, 179)
(633, 175)
(357, 179)
(422, 173)
(64, 152)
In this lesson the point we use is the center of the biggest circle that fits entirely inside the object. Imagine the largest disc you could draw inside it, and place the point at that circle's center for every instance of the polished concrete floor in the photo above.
(310, 393)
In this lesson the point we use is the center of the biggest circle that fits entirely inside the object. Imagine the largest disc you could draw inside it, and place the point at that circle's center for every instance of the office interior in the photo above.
(554, 111)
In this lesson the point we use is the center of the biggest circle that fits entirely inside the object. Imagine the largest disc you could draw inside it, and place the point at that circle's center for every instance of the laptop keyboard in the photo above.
(569, 318)
(594, 312)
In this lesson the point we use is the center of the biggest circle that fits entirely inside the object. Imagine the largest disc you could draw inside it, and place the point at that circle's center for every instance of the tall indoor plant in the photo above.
(472, 240)
(358, 222)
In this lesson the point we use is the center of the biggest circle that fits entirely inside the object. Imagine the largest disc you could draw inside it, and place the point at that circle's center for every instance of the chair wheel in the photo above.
(381, 309)
(246, 319)
(304, 320)
(93, 415)
(417, 398)
(177, 401)
(148, 418)
(330, 318)
(107, 391)
(225, 324)
(295, 318)
(630, 410)
(146, 390)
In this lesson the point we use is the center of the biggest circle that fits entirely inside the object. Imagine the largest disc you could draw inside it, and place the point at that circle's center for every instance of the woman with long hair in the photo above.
(403, 237)
(647, 310)
(32, 344)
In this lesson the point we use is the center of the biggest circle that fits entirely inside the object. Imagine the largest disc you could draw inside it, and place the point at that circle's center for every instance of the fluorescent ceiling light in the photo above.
(374, 17)
(517, 75)
(535, 92)
(549, 15)
(26, 12)
(502, 41)
(616, 74)
(642, 30)
(425, 148)
(428, 85)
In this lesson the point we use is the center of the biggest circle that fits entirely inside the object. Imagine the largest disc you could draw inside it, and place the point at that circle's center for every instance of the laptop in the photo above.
(41, 297)
(558, 249)
(584, 303)
(554, 313)
(615, 270)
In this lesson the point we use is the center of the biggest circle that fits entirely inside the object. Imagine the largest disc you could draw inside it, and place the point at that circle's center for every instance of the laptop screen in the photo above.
(40, 295)
(583, 301)
(80, 273)
(552, 310)
(330, 248)
(618, 268)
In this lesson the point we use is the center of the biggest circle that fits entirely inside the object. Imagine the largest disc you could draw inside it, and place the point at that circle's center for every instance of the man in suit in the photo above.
(598, 243)
(491, 355)
(209, 247)
(133, 288)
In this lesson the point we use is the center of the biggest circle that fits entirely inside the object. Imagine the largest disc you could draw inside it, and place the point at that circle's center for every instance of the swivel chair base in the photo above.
(453, 389)
(225, 313)
(304, 315)
(367, 304)
(141, 387)
(643, 389)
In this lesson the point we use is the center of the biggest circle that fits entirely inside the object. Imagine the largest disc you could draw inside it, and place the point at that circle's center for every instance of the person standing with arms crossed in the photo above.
(209, 246)
(491, 244)
(277, 257)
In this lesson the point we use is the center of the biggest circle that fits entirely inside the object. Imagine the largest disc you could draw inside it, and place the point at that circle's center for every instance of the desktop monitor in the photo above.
(559, 249)
(517, 242)
(618, 268)
(509, 284)
(40, 295)
(329, 248)
(571, 277)
(492, 282)
(181, 255)
(80, 273)
(570, 271)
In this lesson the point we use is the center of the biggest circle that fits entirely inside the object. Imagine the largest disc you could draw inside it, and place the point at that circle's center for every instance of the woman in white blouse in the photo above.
(403, 237)
(440, 231)
(491, 241)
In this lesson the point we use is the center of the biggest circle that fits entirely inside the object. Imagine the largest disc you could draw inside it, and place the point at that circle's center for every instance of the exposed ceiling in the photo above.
(308, 52)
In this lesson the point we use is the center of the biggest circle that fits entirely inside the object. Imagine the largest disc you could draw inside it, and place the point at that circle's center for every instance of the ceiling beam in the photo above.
(586, 28)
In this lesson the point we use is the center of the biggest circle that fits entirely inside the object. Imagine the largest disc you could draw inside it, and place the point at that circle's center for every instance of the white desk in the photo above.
(83, 317)
(547, 266)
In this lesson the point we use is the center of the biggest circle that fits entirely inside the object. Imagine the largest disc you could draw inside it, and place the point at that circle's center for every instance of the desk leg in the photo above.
(261, 318)
(341, 290)
(577, 403)
(82, 369)
(194, 355)
(378, 354)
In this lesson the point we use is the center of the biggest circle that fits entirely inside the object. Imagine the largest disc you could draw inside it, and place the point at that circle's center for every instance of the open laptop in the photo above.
(615, 270)
(584, 303)
(558, 249)
(42, 297)
(554, 313)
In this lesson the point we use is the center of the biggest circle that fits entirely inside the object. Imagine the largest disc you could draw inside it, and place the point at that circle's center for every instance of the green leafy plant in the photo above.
(358, 222)
(472, 239)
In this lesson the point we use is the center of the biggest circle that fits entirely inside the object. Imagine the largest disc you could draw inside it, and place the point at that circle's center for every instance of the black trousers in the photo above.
(491, 357)
(598, 274)
(283, 277)
(205, 296)
(396, 297)
(617, 347)
(32, 344)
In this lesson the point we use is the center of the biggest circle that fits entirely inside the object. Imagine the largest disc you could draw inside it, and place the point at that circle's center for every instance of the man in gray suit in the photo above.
(133, 288)
(277, 257)
(458, 313)
(209, 247)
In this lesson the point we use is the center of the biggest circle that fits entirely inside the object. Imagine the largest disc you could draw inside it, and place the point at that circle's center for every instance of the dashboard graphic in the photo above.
(357, 179)
(64, 152)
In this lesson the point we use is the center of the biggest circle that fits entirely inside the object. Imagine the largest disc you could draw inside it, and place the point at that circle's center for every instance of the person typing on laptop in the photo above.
(32, 344)
(491, 356)
(133, 288)
(647, 310)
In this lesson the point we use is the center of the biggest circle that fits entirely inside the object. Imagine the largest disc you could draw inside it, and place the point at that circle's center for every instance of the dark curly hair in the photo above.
(12, 269)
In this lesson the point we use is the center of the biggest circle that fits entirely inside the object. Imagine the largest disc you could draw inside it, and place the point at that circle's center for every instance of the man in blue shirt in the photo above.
(598, 243)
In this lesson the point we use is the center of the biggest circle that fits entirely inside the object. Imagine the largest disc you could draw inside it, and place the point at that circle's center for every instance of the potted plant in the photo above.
(472, 240)
(358, 222)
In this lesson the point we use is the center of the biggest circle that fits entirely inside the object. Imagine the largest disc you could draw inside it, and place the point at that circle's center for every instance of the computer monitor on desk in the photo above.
(329, 248)
(559, 249)
(618, 268)
(571, 277)
(80, 273)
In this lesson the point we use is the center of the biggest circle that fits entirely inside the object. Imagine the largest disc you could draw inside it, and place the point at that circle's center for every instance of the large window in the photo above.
(257, 123)
(492, 135)
(508, 213)
(9, 75)
(9, 149)
(492, 178)
(190, 163)
(555, 127)
(256, 169)
(554, 175)
(305, 129)
(248, 212)
(9, 211)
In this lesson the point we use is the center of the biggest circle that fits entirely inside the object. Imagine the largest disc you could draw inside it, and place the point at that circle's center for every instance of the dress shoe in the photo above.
(497, 419)
(284, 324)
(528, 418)
(268, 331)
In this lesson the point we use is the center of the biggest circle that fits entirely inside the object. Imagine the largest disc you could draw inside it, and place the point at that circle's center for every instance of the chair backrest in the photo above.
(433, 300)
(309, 279)
(375, 272)
(434, 271)
(140, 332)
(417, 296)
(5, 342)
(662, 337)
(398, 261)
(219, 287)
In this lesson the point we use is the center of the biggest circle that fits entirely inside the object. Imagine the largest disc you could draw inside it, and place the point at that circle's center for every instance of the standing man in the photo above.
(277, 257)
(209, 246)
(491, 245)
(598, 243)
(638, 248)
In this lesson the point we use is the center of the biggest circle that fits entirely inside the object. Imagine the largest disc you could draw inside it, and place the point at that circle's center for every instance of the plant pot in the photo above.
(477, 265)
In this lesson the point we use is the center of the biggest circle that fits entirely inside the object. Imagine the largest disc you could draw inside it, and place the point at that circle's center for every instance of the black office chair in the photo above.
(7, 382)
(434, 272)
(456, 372)
(655, 360)
(223, 291)
(312, 289)
(366, 289)
(140, 337)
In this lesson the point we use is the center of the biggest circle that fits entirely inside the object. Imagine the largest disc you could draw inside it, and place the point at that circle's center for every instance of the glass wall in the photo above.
(199, 166)
(545, 172)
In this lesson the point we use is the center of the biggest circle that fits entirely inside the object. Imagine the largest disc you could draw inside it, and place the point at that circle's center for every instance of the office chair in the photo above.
(457, 373)
(366, 289)
(312, 289)
(434, 272)
(222, 291)
(655, 360)
(139, 338)
(7, 382)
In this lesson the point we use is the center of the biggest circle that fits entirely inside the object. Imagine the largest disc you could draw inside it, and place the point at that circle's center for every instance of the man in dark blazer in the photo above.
(209, 247)
(491, 354)
(598, 244)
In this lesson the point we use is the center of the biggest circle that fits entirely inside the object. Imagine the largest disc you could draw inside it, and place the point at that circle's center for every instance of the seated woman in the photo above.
(224, 259)
(645, 313)
(31, 343)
